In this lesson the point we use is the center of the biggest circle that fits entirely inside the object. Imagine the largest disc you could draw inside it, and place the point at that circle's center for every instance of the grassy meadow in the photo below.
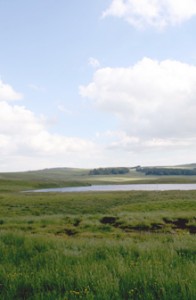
(95, 246)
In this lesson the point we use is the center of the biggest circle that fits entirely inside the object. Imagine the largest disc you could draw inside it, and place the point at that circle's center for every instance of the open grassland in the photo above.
(97, 246)
(62, 177)
(141, 267)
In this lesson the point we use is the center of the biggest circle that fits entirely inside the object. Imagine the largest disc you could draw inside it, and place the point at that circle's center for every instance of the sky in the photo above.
(100, 83)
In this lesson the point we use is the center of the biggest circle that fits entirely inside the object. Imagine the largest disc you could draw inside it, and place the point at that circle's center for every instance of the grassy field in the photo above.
(62, 177)
(94, 246)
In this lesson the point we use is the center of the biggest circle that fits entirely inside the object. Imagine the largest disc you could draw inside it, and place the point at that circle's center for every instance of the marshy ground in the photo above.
(100, 246)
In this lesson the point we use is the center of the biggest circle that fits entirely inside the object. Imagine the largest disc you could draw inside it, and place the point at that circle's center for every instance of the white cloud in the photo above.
(117, 139)
(23, 130)
(93, 62)
(154, 101)
(36, 87)
(25, 138)
(63, 109)
(156, 13)
(7, 93)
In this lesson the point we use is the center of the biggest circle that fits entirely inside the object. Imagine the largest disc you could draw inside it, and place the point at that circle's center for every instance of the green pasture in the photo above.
(95, 246)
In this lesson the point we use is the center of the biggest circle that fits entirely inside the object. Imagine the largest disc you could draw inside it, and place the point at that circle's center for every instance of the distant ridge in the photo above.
(191, 166)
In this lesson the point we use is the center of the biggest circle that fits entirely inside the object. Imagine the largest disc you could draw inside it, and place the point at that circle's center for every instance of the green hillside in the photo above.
(95, 245)
(62, 177)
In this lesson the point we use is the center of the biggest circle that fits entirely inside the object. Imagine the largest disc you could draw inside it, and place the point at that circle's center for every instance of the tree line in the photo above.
(165, 171)
(109, 171)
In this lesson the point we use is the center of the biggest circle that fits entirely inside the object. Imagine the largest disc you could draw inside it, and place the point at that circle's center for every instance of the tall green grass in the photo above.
(146, 267)
(83, 214)
(100, 246)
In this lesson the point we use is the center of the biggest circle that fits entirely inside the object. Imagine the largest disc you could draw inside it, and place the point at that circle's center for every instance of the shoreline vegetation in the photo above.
(97, 246)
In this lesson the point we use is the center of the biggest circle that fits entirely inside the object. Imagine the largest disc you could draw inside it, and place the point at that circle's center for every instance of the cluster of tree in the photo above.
(109, 171)
(166, 171)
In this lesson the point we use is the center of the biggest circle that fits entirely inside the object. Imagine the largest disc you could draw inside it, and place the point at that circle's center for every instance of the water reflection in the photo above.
(122, 187)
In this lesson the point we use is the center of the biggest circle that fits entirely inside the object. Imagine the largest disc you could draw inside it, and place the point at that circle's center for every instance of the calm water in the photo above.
(123, 187)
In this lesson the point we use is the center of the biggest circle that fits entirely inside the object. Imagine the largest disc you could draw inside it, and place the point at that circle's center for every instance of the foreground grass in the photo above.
(141, 268)
(100, 246)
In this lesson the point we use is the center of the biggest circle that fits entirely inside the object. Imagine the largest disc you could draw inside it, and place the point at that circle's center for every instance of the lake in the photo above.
(121, 187)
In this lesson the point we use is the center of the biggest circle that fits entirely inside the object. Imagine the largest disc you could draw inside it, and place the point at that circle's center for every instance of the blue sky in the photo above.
(97, 83)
